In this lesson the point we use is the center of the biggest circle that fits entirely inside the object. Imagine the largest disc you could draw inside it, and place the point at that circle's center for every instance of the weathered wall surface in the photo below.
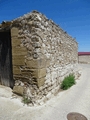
(43, 54)
(84, 59)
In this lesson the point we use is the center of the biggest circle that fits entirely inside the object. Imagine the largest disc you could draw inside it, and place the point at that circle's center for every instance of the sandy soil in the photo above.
(75, 99)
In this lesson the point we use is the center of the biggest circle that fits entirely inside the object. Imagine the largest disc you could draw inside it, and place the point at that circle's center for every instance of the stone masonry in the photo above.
(42, 55)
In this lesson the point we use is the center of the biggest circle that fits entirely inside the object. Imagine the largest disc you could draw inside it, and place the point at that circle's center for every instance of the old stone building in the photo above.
(35, 56)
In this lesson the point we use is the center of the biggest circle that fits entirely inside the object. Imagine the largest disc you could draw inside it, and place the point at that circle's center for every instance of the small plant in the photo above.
(26, 100)
(68, 82)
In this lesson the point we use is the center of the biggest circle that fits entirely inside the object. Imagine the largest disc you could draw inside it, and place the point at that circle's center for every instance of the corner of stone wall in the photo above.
(18, 59)
(38, 70)
(27, 73)
(18, 52)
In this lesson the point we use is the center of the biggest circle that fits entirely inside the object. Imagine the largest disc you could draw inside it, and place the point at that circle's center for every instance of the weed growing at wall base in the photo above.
(26, 100)
(68, 82)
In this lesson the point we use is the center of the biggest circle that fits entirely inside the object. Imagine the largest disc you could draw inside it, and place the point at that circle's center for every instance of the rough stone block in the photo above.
(49, 95)
(53, 75)
(48, 77)
(19, 51)
(30, 23)
(15, 41)
(22, 78)
(48, 63)
(18, 57)
(38, 73)
(18, 60)
(14, 32)
(18, 89)
(36, 63)
(40, 82)
(26, 73)
(16, 70)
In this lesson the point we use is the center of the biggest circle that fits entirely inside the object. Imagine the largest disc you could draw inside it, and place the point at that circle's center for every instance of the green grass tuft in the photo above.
(68, 82)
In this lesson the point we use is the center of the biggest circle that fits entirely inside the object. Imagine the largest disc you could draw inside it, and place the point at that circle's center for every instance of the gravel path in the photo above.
(76, 99)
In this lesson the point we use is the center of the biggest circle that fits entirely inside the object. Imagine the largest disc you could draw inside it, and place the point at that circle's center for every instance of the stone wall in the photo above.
(43, 54)
(84, 59)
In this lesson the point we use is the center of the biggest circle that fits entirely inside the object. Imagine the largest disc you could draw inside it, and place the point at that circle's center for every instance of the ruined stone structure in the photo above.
(42, 54)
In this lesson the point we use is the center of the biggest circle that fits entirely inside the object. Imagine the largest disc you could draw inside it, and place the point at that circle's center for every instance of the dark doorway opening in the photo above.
(6, 76)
